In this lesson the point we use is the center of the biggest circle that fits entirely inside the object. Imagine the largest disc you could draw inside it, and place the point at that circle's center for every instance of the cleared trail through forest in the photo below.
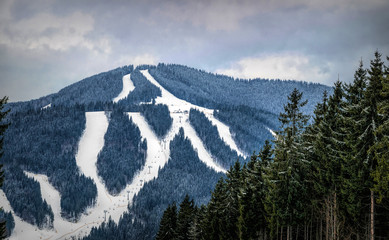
(90, 145)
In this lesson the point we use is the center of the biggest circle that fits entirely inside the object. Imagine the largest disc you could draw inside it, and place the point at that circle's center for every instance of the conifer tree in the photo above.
(289, 188)
(231, 212)
(168, 225)
(369, 125)
(355, 172)
(216, 211)
(381, 173)
(185, 218)
(329, 147)
(3, 127)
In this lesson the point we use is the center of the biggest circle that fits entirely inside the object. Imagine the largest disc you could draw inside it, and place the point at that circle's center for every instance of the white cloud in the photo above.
(277, 66)
(47, 31)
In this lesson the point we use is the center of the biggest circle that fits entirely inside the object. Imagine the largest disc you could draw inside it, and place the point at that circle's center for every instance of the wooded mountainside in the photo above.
(325, 180)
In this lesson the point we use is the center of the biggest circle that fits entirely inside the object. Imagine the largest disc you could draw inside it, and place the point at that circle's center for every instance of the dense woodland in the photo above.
(45, 142)
(214, 91)
(183, 174)
(209, 135)
(99, 88)
(9, 222)
(18, 188)
(250, 127)
(158, 117)
(324, 180)
(123, 154)
(144, 91)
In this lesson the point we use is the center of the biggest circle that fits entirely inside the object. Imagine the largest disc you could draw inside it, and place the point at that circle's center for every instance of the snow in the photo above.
(128, 86)
(92, 142)
(225, 134)
(47, 106)
(179, 111)
(272, 132)
(23, 230)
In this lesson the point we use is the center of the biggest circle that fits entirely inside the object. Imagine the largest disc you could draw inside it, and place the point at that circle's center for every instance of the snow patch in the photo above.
(272, 132)
(47, 106)
(128, 87)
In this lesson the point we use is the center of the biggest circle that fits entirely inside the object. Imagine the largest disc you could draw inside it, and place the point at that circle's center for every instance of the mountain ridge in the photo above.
(92, 98)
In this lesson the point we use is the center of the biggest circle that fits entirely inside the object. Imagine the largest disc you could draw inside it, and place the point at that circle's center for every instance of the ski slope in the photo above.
(23, 230)
(179, 106)
(128, 87)
(92, 142)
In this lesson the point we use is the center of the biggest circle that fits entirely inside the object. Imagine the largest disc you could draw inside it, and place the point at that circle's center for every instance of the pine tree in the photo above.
(371, 121)
(198, 227)
(216, 211)
(288, 181)
(355, 172)
(3, 128)
(185, 218)
(231, 212)
(168, 225)
(381, 173)
(330, 148)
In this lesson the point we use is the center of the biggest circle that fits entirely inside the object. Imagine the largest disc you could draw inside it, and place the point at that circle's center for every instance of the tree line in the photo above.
(321, 179)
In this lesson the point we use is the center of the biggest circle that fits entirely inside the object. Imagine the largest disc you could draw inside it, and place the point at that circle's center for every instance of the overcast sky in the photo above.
(46, 45)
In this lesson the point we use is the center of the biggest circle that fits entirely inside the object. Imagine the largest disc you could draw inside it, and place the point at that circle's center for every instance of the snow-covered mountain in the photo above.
(118, 147)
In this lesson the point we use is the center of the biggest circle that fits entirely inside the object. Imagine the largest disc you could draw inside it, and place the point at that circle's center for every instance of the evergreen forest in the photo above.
(324, 178)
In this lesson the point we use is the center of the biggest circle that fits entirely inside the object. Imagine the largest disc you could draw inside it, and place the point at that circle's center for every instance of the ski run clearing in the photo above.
(128, 86)
(92, 142)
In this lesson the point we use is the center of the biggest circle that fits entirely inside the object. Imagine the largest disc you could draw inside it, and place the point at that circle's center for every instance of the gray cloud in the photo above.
(46, 45)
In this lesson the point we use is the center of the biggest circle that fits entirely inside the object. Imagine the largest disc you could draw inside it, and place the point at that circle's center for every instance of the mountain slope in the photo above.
(57, 139)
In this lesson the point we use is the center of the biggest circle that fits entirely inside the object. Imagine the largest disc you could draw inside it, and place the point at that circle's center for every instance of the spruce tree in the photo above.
(371, 122)
(381, 173)
(185, 218)
(3, 128)
(354, 169)
(216, 211)
(288, 181)
(168, 225)
(231, 212)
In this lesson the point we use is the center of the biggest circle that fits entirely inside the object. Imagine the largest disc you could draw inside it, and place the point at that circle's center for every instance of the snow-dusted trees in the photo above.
(45, 141)
(209, 135)
(123, 154)
(288, 186)
(328, 180)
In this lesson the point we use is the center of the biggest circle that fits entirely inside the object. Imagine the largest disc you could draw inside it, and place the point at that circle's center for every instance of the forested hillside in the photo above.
(102, 87)
(214, 91)
(45, 141)
(208, 133)
(324, 180)
(124, 153)
(44, 135)
(183, 174)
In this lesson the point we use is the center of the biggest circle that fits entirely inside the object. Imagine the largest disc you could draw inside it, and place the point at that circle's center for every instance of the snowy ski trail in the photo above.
(128, 86)
(92, 142)
(225, 134)
(180, 107)
(23, 230)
